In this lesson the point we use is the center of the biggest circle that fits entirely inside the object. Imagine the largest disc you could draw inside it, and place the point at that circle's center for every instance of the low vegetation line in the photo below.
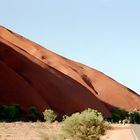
(86, 125)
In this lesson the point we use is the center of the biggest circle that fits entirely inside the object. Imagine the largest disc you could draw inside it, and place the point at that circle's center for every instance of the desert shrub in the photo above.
(49, 115)
(9, 112)
(87, 125)
(121, 114)
(134, 117)
(118, 114)
(33, 113)
(64, 117)
(61, 118)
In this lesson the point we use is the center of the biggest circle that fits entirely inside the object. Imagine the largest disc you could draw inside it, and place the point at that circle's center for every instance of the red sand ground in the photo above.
(31, 75)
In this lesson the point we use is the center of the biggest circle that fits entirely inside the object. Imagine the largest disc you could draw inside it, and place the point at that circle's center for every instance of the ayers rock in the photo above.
(31, 75)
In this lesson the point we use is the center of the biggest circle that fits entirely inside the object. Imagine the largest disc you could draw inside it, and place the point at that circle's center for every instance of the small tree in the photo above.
(49, 115)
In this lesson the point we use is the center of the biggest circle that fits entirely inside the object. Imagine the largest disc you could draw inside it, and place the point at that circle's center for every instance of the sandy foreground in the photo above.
(119, 132)
(42, 131)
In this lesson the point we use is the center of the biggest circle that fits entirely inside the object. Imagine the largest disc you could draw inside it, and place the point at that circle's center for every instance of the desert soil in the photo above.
(28, 131)
(45, 131)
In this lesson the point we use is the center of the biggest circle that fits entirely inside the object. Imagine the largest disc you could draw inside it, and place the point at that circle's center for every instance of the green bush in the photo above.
(134, 117)
(118, 114)
(49, 115)
(130, 116)
(9, 112)
(33, 111)
(13, 112)
(87, 125)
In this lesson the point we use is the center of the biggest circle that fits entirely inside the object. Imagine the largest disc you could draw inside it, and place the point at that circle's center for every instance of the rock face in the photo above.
(31, 75)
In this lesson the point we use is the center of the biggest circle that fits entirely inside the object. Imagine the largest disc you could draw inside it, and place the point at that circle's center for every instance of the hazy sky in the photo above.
(104, 34)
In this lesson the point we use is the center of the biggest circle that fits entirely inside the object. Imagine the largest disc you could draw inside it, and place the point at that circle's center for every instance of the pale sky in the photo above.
(103, 34)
